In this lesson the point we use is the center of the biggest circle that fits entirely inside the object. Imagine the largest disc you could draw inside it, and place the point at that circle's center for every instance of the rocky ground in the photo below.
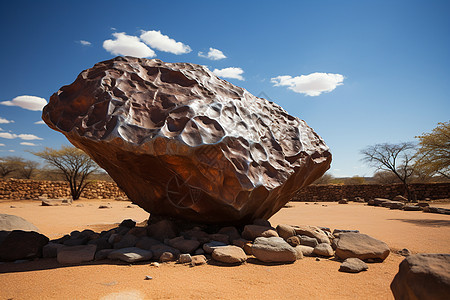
(230, 272)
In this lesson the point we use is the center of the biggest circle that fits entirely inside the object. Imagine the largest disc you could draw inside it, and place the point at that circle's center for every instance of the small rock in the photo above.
(412, 208)
(360, 246)
(76, 254)
(220, 238)
(404, 252)
(353, 265)
(251, 232)
(102, 254)
(199, 251)
(164, 229)
(185, 246)
(12, 206)
(184, 258)
(126, 241)
(294, 241)
(104, 206)
(155, 264)
(306, 250)
(273, 249)
(317, 259)
(209, 247)
(324, 250)
(166, 257)
(285, 231)
(148, 277)
(198, 260)
(308, 241)
(400, 198)
(343, 201)
(129, 223)
(231, 231)
(229, 255)
(160, 248)
(131, 255)
(79, 205)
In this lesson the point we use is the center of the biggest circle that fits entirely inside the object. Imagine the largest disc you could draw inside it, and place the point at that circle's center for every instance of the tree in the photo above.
(75, 165)
(395, 158)
(27, 168)
(324, 179)
(9, 164)
(434, 151)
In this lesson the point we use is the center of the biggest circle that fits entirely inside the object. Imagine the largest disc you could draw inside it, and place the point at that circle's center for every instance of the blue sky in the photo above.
(382, 67)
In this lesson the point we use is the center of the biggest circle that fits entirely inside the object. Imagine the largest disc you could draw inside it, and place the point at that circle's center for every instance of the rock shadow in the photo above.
(425, 222)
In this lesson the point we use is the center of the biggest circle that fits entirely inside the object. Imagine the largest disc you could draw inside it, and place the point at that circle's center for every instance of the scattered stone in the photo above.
(343, 201)
(353, 265)
(104, 206)
(404, 252)
(231, 231)
(229, 255)
(11, 222)
(166, 257)
(306, 250)
(307, 241)
(312, 231)
(240, 242)
(131, 255)
(380, 201)
(148, 277)
(12, 206)
(220, 238)
(423, 276)
(209, 247)
(79, 205)
(51, 250)
(196, 234)
(126, 241)
(336, 232)
(359, 200)
(185, 246)
(198, 260)
(317, 259)
(160, 248)
(273, 249)
(155, 264)
(412, 208)
(21, 244)
(128, 223)
(423, 204)
(323, 250)
(49, 203)
(184, 258)
(251, 232)
(76, 254)
(285, 231)
(400, 198)
(395, 205)
(164, 229)
(294, 241)
(102, 254)
(360, 246)
(248, 248)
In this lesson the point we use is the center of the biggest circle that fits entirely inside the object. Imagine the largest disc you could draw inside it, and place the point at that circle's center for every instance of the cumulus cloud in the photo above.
(84, 43)
(39, 122)
(26, 136)
(313, 84)
(213, 54)
(161, 42)
(2, 145)
(4, 121)
(124, 44)
(28, 144)
(231, 72)
(27, 102)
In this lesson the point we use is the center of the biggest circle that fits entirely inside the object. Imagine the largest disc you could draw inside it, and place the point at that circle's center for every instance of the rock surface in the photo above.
(423, 276)
(229, 255)
(180, 142)
(131, 255)
(22, 245)
(353, 265)
(76, 254)
(360, 246)
(274, 249)
(11, 222)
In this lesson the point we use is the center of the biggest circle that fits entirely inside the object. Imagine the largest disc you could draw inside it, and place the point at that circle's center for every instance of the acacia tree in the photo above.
(395, 158)
(74, 164)
(9, 165)
(434, 151)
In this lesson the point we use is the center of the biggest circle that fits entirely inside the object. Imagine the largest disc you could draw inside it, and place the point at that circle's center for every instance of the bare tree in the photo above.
(395, 158)
(9, 165)
(28, 168)
(75, 165)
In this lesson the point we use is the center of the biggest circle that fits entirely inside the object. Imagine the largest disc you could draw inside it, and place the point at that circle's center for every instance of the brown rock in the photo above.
(251, 232)
(285, 231)
(162, 230)
(312, 231)
(360, 246)
(229, 255)
(76, 254)
(166, 257)
(423, 276)
(198, 260)
(294, 241)
(11, 222)
(185, 246)
(22, 245)
(180, 142)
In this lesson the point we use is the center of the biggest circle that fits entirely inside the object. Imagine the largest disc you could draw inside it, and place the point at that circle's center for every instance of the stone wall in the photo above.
(31, 189)
(370, 191)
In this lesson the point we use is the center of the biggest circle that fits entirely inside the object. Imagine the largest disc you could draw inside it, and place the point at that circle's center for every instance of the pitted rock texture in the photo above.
(183, 143)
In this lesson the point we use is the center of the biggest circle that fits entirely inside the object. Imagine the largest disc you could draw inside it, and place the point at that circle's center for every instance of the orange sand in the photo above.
(305, 279)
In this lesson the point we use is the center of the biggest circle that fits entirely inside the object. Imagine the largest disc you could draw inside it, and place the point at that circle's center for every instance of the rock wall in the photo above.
(32, 189)
(368, 191)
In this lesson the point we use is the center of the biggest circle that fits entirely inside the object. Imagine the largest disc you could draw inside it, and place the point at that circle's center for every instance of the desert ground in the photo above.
(305, 279)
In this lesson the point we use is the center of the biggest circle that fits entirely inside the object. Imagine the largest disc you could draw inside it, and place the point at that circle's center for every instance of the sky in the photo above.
(358, 72)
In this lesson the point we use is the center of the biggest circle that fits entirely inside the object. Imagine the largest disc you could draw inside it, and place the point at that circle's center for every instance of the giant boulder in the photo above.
(183, 143)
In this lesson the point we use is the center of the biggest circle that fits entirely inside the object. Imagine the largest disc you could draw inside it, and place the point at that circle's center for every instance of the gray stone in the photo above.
(229, 255)
(101, 243)
(285, 231)
(360, 246)
(127, 241)
(306, 250)
(51, 250)
(209, 247)
(423, 276)
(273, 249)
(160, 248)
(22, 245)
(185, 246)
(166, 257)
(224, 238)
(353, 265)
(131, 255)
(294, 241)
(185, 258)
(11, 222)
(308, 241)
(323, 249)
(76, 254)
(412, 208)
(251, 232)
(102, 254)
(198, 260)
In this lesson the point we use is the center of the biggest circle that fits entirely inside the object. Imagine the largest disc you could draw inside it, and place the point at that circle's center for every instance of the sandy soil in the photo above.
(305, 279)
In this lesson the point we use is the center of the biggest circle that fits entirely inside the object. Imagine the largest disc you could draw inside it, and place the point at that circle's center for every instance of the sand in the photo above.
(305, 279)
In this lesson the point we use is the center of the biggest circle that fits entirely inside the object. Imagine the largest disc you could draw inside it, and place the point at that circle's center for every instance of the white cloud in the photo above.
(84, 43)
(39, 122)
(161, 42)
(4, 121)
(127, 45)
(27, 102)
(231, 72)
(28, 137)
(213, 54)
(2, 145)
(11, 150)
(28, 144)
(313, 84)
